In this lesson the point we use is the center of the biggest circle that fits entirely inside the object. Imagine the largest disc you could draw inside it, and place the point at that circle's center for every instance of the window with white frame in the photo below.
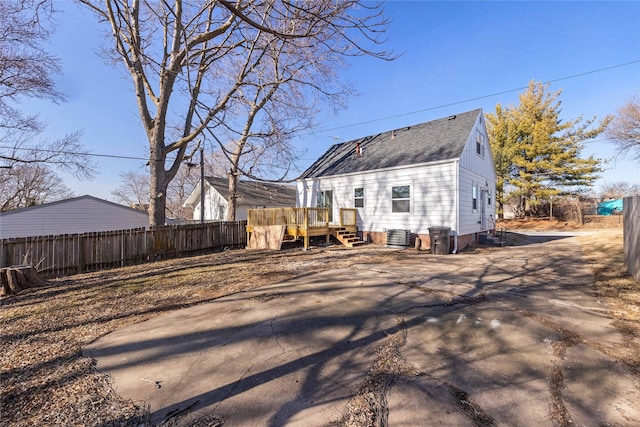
(401, 198)
(358, 197)
(488, 197)
(474, 196)
(480, 144)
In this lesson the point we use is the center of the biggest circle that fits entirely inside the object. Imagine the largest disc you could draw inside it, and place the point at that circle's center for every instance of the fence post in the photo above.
(81, 256)
(631, 235)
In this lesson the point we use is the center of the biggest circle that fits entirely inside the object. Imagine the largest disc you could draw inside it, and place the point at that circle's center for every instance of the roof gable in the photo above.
(442, 139)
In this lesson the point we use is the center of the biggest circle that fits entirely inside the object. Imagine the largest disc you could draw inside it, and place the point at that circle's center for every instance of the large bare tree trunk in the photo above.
(157, 187)
(233, 195)
(19, 277)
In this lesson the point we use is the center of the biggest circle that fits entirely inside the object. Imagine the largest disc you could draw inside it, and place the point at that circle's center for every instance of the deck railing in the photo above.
(348, 217)
(303, 218)
(301, 222)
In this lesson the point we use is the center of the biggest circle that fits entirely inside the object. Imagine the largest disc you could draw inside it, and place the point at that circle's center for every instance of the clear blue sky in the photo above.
(452, 53)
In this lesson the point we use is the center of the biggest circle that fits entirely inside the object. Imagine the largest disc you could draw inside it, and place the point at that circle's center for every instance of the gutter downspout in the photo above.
(457, 199)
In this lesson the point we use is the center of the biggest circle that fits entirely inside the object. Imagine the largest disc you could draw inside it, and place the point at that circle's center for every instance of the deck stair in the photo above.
(346, 237)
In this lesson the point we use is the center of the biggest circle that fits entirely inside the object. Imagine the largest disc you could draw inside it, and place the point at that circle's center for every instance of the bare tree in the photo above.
(624, 130)
(27, 70)
(618, 190)
(26, 185)
(179, 56)
(278, 99)
(133, 189)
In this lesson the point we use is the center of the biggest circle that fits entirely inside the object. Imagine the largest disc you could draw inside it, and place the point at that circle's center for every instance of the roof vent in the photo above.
(358, 150)
(393, 134)
(452, 117)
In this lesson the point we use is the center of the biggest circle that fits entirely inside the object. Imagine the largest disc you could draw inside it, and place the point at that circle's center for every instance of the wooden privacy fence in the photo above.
(54, 256)
(631, 233)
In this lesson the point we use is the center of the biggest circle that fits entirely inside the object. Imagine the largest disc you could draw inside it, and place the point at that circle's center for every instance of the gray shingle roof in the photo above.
(441, 139)
(253, 193)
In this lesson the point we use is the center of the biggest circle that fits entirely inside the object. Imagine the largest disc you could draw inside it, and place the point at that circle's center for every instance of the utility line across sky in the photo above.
(469, 99)
(115, 156)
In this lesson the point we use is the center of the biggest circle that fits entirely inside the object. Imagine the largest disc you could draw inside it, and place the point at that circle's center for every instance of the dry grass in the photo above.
(614, 285)
(591, 222)
(46, 381)
(604, 253)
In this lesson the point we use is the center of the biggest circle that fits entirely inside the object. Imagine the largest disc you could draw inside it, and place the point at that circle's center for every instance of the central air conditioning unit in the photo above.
(398, 237)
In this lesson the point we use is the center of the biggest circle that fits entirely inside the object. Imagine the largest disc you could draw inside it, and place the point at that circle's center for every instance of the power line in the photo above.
(469, 99)
(572, 76)
(74, 153)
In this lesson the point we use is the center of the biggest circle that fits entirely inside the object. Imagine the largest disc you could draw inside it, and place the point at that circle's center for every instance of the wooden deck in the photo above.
(305, 223)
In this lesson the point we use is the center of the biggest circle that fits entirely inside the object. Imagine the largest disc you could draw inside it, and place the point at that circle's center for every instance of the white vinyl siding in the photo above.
(474, 162)
(440, 192)
(432, 194)
(476, 169)
(78, 215)
(215, 206)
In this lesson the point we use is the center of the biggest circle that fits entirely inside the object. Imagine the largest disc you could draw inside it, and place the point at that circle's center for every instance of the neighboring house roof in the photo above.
(250, 193)
(442, 139)
(70, 200)
(70, 216)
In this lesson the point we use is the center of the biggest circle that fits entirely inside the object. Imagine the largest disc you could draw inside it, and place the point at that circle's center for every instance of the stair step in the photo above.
(347, 238)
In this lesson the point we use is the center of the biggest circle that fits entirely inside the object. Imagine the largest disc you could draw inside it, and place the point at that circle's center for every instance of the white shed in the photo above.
(250, 195)
(70, 216)
(434, 174)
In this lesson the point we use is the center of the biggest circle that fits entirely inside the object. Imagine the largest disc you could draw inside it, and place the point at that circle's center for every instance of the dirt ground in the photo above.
(46, 381)
(591, 222)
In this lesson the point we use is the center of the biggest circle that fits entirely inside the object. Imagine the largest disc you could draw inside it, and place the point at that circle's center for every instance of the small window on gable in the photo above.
(480, 144)
(401, 198)
(474, 197)
(358, 197)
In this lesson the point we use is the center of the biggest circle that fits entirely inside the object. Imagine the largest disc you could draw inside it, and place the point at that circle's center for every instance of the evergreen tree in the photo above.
(537, 154)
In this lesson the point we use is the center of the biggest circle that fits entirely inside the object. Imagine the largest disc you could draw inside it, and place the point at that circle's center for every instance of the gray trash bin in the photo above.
(439, 237)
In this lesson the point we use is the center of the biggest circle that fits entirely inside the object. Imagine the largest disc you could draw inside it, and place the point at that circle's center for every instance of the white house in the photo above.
(250, 195)
(434, 174)
(70, 216)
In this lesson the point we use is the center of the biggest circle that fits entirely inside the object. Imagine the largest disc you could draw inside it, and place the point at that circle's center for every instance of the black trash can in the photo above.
(439, 237)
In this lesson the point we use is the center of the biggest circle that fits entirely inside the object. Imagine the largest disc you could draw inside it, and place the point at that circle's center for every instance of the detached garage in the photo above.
(77, 215)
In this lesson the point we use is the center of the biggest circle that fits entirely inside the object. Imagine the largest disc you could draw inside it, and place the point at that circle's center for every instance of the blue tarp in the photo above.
(610, 207)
